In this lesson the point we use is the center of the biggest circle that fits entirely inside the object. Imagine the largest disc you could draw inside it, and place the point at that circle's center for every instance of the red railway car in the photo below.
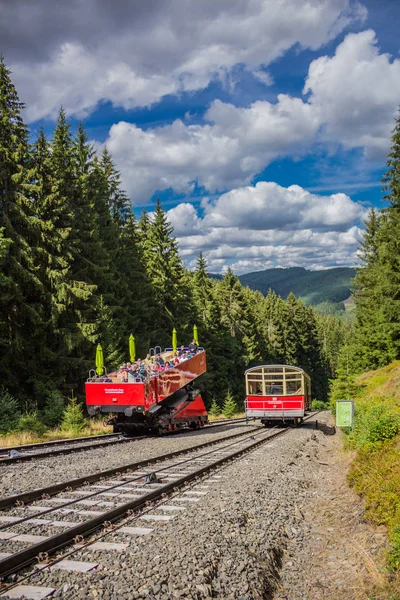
(163, 401)
(277, 393)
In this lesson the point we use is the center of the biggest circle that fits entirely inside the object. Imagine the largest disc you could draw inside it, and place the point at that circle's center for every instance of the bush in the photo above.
(319, 405)
(73, 419)
(31, 422)
(215, 409)
(229, 407)
(9, 411)
(394, 557)
(53, 411)
(384, 427)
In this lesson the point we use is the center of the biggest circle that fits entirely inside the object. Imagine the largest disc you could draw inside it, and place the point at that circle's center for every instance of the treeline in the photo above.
(373, 341)
(76, 269)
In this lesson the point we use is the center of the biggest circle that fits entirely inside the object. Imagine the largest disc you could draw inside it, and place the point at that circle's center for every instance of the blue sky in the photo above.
(263, 125)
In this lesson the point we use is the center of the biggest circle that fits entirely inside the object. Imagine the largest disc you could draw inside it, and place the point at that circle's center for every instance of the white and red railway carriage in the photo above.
(164, 401)
(277, 393)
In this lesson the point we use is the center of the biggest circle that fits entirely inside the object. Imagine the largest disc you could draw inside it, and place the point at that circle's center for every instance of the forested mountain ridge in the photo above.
(313, 287)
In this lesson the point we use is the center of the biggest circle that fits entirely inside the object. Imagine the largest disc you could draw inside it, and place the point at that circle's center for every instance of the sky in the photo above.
(262, 125)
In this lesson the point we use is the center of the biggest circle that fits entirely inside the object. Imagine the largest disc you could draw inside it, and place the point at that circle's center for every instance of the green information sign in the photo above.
(344, 413)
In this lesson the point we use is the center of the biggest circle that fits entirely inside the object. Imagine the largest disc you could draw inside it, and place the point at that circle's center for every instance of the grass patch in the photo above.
(21, 438)
(220, 417)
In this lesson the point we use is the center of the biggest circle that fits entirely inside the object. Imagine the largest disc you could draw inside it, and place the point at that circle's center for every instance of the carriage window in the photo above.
(255, 388)
(274, 388)
(275, 377)
(293, 387)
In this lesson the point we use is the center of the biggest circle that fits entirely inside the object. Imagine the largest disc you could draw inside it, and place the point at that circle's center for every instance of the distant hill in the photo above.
(314, 287)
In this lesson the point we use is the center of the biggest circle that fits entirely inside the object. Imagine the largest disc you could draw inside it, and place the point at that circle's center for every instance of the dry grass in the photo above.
(22, 438)
(220, 417)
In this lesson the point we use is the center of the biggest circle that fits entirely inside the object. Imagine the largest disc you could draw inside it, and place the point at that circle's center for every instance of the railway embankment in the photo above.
(375, 439)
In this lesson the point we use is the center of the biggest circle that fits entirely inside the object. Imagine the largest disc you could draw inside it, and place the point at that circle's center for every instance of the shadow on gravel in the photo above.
(313, 425)
(326, 429)
(271, 577)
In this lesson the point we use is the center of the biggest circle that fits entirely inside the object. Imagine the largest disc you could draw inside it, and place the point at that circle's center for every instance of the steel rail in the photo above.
(70, 450)
(15, 562)
(49, 444)
(89, 446)
(26, 497)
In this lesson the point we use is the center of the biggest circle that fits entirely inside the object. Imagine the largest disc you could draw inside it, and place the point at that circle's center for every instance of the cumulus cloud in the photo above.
(355, 93)
(228, 151)
(257, 227)
(352, 98)
(134, 53)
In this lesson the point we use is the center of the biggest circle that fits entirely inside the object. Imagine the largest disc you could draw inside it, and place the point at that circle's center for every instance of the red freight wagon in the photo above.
(277, 393)
(162, 401)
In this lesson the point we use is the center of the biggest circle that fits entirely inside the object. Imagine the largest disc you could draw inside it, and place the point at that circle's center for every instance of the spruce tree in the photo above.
(73, 290)
(390, 246)
(229, 407)
(20, 301)
(166, 275)
(372, 334)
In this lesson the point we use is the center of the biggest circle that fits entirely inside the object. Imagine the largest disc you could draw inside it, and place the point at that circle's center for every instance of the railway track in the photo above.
(128, 493)
(22, 453)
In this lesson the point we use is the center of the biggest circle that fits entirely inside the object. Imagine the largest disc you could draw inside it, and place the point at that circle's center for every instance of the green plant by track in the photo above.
(375, 472)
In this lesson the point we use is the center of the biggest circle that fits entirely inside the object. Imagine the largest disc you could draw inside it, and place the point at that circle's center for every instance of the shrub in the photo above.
(73, 419)
(9, 411)
(319, 405)
(53, 411)
(215, 409)
(384, 427)
(31, 422)
(394, 557)
(229, 407)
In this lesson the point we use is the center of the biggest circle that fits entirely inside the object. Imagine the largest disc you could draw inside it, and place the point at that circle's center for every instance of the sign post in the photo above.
(344, 413)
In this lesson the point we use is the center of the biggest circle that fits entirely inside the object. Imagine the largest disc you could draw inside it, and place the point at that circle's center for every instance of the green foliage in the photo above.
(31, 422)
(9, 411)
(53, 410)
(394, 557)
(319, 405)
(384, 426)
(73, 420)
(215, 409)
(375, 472)
(229, 407)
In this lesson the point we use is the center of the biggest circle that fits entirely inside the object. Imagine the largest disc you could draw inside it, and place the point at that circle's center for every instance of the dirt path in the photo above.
(340, 556)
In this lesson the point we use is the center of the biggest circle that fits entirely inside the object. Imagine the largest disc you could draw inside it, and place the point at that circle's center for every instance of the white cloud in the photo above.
(266, 225)
(228, 151)
(139, 52)
(355, 93)
(353, 98)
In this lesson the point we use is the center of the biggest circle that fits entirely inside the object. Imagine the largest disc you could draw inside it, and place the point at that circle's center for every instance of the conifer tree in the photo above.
(214, 410)
(229, 407)
(203, 296)
(390, 246)
(372, 334)
(20, 301)
(165, 273)
(73, 291)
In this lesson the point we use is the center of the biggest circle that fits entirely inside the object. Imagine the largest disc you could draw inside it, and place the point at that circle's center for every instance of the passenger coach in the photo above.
(277, 393)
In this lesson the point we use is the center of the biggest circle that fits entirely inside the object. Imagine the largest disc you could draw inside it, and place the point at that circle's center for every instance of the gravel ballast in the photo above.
(258, 533)
(38, 473)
